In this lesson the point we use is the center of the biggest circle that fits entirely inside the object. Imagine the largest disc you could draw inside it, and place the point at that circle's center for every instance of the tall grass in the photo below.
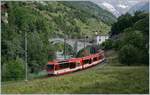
(104, 80)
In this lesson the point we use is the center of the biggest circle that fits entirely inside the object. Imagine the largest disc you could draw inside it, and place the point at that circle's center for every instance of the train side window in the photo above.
(85, 61)
(88, 61)
(64, 65)
(72, 65)
(95, 59)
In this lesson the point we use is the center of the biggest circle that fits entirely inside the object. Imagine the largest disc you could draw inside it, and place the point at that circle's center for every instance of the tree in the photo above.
(132, 40)
(128, 54)
(13, 70)
(135, 38)
(143, 25)
(108, 44)
(124, 21)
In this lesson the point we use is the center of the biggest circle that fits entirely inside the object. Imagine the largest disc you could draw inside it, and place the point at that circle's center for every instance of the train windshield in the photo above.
(50, 67)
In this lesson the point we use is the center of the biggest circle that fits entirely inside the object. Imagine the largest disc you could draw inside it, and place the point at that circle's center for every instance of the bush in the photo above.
(117, 44)
(128, 54)
(144, 58)
(13, 70)
(132, 39)
(108, 44)
(137, 40)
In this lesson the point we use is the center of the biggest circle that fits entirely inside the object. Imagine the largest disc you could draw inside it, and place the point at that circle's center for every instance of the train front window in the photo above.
(50, 67)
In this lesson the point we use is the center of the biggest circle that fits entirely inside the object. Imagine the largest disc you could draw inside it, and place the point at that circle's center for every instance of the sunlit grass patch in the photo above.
(109, 79)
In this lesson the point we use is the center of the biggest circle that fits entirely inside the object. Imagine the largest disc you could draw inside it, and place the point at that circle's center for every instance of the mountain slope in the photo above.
(42, 21)
(140, 7)
(94, 10)
(84, 15)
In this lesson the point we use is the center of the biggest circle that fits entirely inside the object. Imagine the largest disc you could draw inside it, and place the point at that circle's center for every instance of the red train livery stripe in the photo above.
(57, 67)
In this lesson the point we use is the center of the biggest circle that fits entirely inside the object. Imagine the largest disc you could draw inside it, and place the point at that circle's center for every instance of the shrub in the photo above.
(132, 39)
(128, 54)
(144, 58)
(108, 44)
(13, 70)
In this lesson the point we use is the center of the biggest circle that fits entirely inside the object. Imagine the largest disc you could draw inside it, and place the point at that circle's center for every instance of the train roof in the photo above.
(64, 61)
(73, 59)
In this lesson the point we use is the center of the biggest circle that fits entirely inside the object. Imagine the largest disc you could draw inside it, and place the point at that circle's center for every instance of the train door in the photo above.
(50, 69)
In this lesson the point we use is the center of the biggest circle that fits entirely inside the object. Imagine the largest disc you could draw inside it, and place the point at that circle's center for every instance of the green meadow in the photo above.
(103, 78)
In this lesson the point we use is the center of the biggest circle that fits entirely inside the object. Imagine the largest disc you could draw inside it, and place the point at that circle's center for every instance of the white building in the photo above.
(101, 38)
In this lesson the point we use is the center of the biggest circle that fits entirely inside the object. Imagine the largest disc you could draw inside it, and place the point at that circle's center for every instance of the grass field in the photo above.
(108, 78)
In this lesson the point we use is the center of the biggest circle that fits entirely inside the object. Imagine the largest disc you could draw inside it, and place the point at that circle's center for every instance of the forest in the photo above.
(38, 22)
(130, 38)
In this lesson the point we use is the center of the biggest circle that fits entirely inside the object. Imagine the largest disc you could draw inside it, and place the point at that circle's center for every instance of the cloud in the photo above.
(122, 6)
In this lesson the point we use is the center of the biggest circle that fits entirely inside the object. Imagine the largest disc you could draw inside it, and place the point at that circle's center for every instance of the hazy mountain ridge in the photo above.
(117, 7)
(140, 7)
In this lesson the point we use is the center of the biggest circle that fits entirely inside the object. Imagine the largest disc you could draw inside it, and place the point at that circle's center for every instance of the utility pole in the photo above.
(75, 46)
(84, 41)
(26, 74)
(65, 48)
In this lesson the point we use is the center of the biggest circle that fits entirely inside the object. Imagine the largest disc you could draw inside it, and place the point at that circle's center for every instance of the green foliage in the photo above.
(108, 44)
(106, 80)
(77, 20)
(140, 21)
(38, 50)
(89, 9)
(13, 70)
(128, 54)
(83, 52)
(87, 51)
(123, 22)
(23, 19)
(42, 22)
(137, 35)
(143, 25)
(137, 40)
(51, 52)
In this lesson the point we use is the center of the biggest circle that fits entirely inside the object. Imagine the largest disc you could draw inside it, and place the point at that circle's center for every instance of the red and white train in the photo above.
(57, 67)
